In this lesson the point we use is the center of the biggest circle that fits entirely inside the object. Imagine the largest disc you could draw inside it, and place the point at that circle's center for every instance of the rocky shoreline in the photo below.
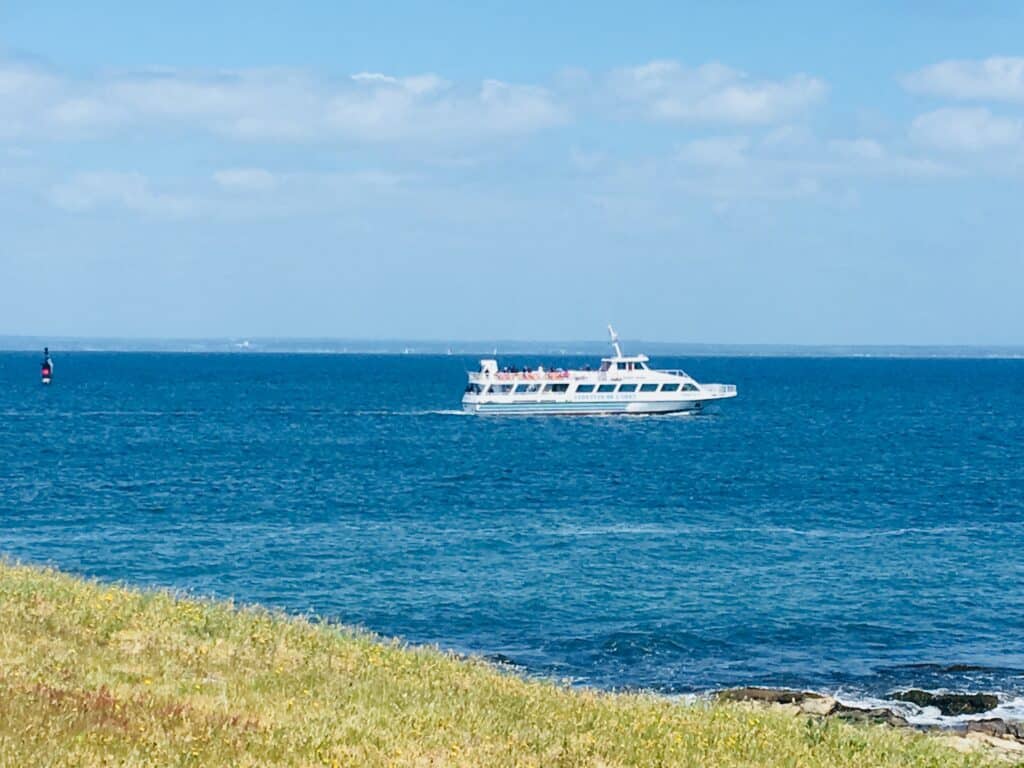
(1005, 736)
(973, 732)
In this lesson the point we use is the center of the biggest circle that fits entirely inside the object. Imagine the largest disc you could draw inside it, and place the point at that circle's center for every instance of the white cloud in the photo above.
(19, 79)
(77, 111)
(731, 169)
(260, 104)
(91, 191)
(788, 137)
(859, 149)
(716, 152)
(24, 91)
(230, 193)
(374, 179)
(585, 162)
(999, 78)
(766, 184)
(969, 130)
(869, 157)
(245, 179)
(386, 109)
(666, 90)
(417, 84)
(294, 105)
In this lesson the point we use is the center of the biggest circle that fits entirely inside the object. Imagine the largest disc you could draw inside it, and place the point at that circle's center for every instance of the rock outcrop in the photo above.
(807, 702)
(950, 704)
(765, 695)
(995, 733)
(870, 715)
(997, 727)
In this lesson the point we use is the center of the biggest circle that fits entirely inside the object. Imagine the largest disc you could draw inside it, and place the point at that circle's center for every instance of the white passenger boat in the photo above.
(623, 384)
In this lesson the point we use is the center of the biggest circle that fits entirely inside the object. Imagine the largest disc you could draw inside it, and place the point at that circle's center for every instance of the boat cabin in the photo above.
(621, 363)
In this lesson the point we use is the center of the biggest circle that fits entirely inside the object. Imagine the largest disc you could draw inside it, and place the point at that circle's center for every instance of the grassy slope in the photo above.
(96, 675)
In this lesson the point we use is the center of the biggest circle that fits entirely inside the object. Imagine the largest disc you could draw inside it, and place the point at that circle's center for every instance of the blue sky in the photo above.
(714, 172)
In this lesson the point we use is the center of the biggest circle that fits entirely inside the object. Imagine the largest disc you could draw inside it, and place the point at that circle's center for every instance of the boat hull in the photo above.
(571, 408)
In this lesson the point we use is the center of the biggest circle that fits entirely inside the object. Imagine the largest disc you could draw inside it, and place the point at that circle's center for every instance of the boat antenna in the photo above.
(615, 340)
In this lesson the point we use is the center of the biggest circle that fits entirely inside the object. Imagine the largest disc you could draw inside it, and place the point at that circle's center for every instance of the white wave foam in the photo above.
(82, 414)
(618, 529)
(690, 529)
(625, 417)
(430, 412)
(1009, 708)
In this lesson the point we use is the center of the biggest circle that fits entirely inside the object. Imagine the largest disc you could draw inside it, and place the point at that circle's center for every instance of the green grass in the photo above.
(94, 675)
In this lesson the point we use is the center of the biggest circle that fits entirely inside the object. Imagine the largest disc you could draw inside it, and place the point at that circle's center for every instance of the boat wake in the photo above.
(418, 413)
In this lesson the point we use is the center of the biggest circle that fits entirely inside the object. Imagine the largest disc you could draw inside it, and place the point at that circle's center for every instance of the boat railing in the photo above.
(718, 389)
(479, 376)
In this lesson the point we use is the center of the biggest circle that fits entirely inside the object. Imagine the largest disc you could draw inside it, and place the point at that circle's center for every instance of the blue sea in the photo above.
(847, 525)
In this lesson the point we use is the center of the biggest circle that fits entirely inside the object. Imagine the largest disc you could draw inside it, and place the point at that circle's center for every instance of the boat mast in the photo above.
(615, 340)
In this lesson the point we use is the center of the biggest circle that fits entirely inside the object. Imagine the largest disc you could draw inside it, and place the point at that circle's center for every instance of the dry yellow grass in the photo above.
(94, 675)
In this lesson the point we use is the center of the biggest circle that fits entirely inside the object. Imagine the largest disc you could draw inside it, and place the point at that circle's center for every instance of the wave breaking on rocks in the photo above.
(973, 719)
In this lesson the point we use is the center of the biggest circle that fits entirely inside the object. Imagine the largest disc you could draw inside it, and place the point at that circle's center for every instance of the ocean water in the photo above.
(847, 525)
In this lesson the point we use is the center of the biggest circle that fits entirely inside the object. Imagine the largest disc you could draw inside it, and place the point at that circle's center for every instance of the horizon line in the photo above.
(398, 345)
(457, 340)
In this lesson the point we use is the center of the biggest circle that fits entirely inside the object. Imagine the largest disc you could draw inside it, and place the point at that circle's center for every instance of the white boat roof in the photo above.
(626, 359)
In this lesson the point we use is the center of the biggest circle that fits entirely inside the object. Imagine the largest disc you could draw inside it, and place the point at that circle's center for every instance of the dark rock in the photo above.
(947, 667)
(876, 715)
(766, 695)
(997, 727)
(950, 703)
(965, 668)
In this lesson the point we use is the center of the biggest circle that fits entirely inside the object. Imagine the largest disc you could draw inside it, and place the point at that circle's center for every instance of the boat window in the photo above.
(500, 389)
(648, 387)
(606, 388)
(551, 388)
(605, 365)
(689, 387)
(627, 388)
(520, 388)
(640, 367)
(527, 389)
(473, 389)
(621, 366)
(585, 388)
(669, 387)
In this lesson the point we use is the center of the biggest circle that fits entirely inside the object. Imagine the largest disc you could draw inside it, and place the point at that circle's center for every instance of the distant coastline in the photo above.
(342, 346)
